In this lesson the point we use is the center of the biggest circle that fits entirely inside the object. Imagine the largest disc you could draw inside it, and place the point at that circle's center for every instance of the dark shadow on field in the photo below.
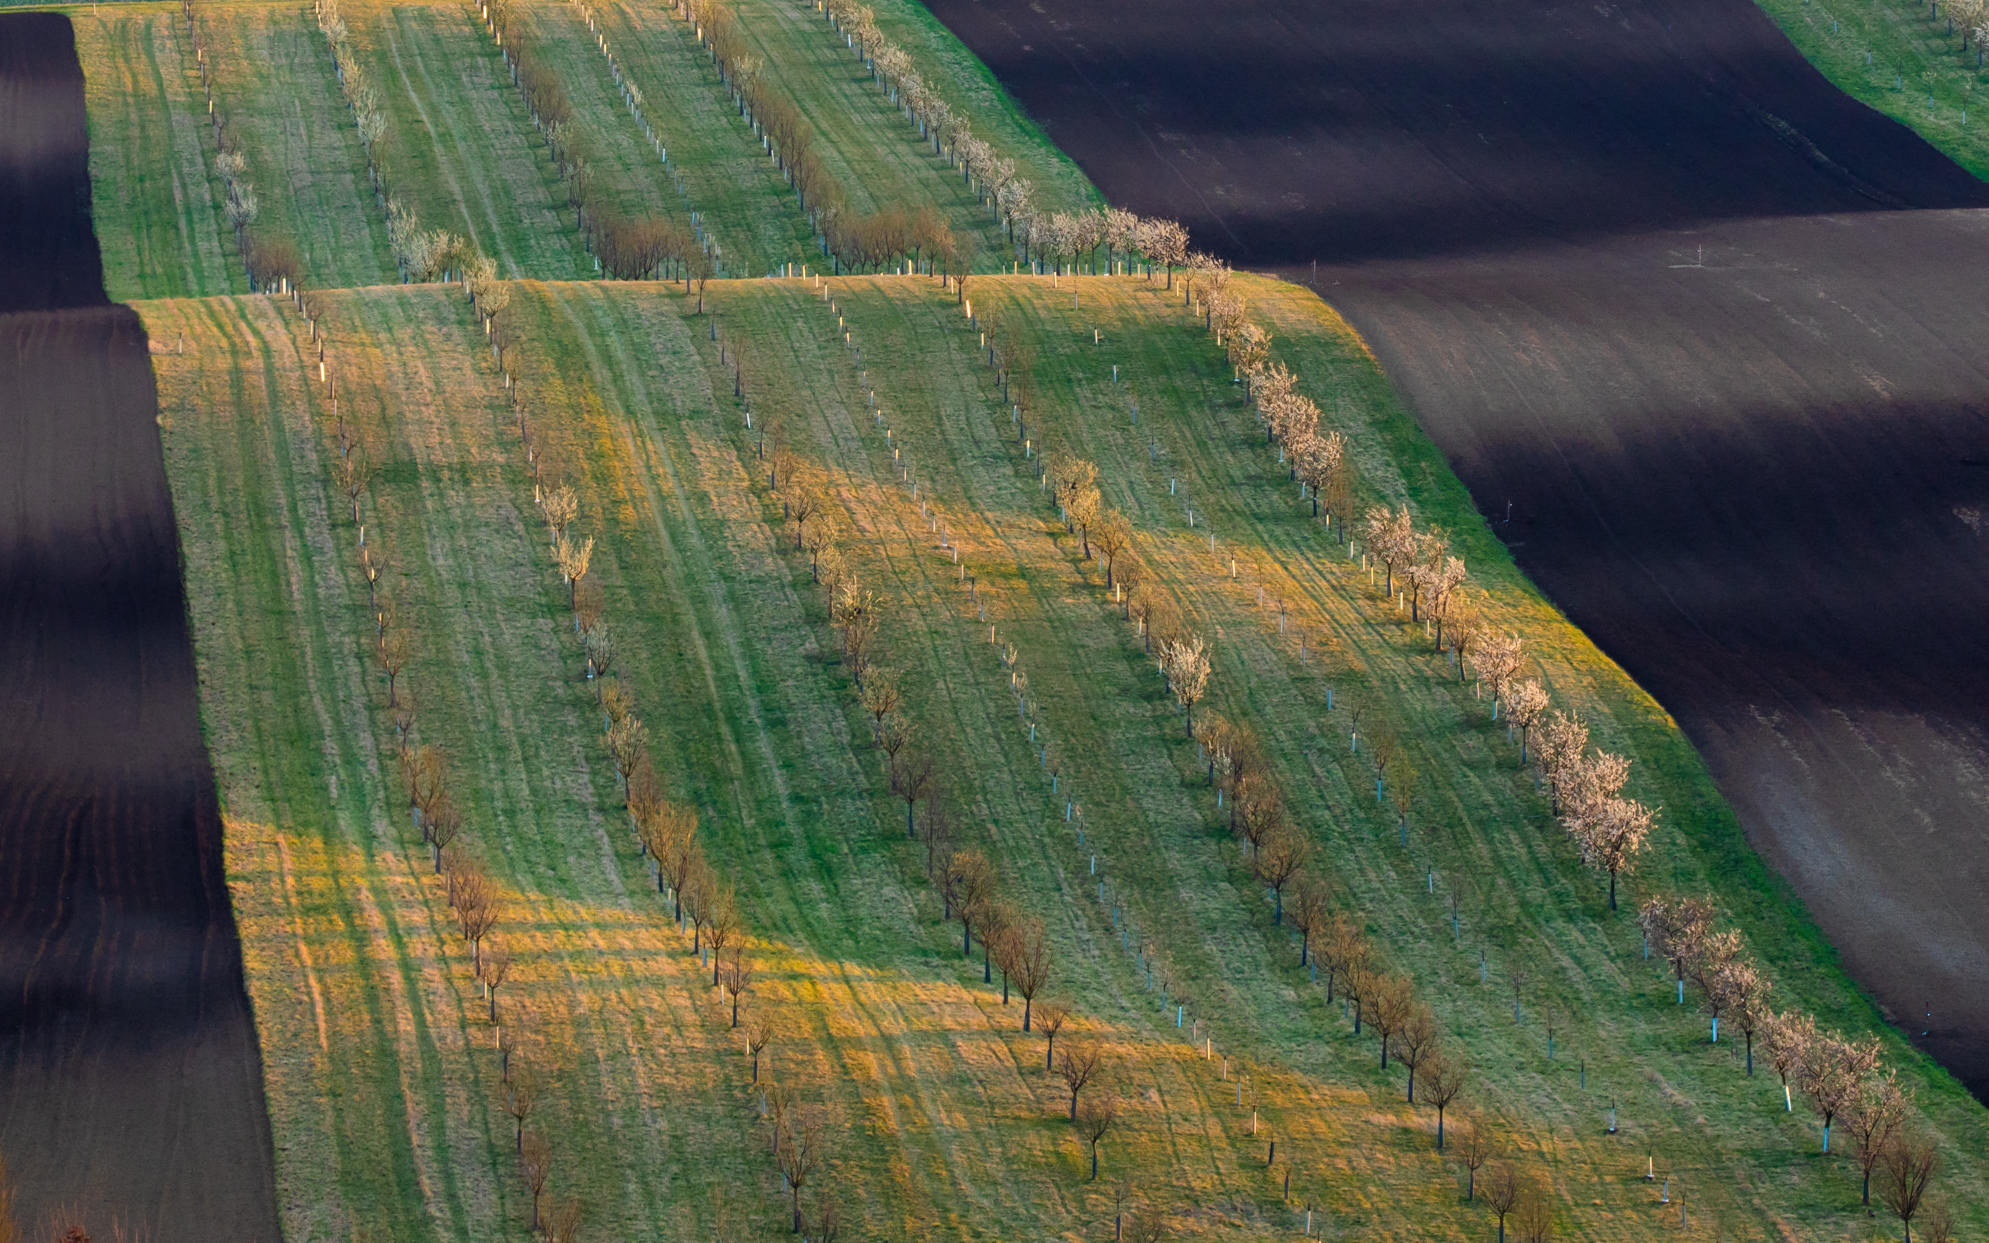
(130, 1077)
(1352, 129)
(1760, 481)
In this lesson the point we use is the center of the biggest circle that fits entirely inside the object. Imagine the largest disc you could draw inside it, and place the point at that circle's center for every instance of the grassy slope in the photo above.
(275, 83)
(1478, 822)
(629, 178)
(157, 209)
(964, 82)
(463, 151)
(713, 154)
(1894, 56)
(750, 716)
(866, 144)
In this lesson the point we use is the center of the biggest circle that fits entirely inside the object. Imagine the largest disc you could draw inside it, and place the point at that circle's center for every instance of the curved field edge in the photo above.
(369, 1019)
(1897, 57)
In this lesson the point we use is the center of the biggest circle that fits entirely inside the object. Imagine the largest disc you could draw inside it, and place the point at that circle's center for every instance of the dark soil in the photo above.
(130, 1078)
(48, 253)
(1760, 483)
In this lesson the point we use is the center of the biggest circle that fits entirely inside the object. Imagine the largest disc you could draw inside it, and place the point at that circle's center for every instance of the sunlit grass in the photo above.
(945, 1120)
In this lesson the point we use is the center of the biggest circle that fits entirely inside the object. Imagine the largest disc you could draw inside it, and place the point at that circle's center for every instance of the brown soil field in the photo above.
(1754, 473)
(130, 1077)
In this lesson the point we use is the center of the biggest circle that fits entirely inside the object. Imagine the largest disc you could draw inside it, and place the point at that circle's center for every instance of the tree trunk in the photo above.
(1439, 1128)
(1073, 1106)
(1025, 1012)
(1094, 1168)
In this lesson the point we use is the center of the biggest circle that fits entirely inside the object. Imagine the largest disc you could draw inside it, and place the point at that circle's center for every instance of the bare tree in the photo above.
(968, 883)
(535, 1158)
(1256, 804)
(1874, 1115)
(395, 647)
(352, 477)
(798, 1151)
(563, 1223)
(444, 824)
(1474, 1149)
(894, 735)
(1079, 1067)
(1308, 912)
(737, 977)
(936, 829)
(1050, 1021)
(828, 1224)
(758, 1033)
(601, 653)
(1533, 1218)
(1444, 1077)
(1031, 964)
(1341, 948)
(1909, 1166)
(802, 506)
(1416, 1043)
(522, 1096)
(628, 746)
(881, 697)
(912, 781)
(1936, 1222)
(1146, 1226)
(720, 917)
(496, 966)
(1503, 1189)
(404, 714)
(818, 540)
(1281, 857)
(1100, 1111)
(684, 858)
(1391, 1007)
(1114, 535)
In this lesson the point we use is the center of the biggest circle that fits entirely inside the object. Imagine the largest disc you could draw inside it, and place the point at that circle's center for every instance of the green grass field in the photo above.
(1898, 57)
(460, 148)
(381, 1061)
(156, 202)
(946, 1124)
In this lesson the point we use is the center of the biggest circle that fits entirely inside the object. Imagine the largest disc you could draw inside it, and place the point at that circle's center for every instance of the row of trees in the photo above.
(1841, 1078)
(420, 254)
(992, 177)
(964, 877)
(474, 897)
(666, 831)
(269, 261)
(361, 95)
